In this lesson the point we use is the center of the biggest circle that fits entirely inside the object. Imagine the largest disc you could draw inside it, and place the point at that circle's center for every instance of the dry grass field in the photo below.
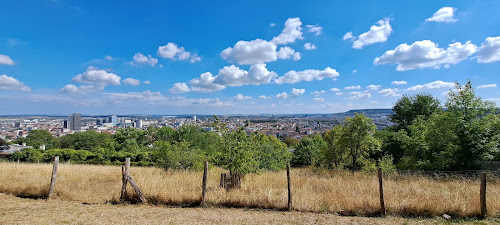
(322, 191)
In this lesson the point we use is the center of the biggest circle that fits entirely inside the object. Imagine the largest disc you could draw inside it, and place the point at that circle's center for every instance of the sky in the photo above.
(241, 57)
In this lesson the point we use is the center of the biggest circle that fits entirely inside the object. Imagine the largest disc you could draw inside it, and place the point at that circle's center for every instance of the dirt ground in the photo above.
(15, 210)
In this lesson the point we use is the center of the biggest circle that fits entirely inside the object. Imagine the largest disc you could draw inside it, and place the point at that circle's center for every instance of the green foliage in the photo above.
(37, 137)
(237, 153)
(408, 108)
(87, 140)
(272, 154)
(332, 154)
(291, 142)
(179, 155)
(307, 151)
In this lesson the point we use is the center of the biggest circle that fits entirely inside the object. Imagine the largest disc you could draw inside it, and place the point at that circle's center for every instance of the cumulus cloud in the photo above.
(348, 36)
(319, 99)
(145, 95)
(172, 51)
(354, 71)
(314, 29)
(205, 83)
(359, 95)
(139, 58)
(6, 60)
(272, 24)
(147, 82)
(377, 33)
(309, 46)
(179, 88)
(297, 92)
(334, 89)
(290, 33)
(282, 95)
(339, 93)
(318, 93)
(390, 92)
(108, 57)
(97, 77)
(82, 89)
(293, 76)
(432, 85)
(399, 82)
(489, 50)
(131, 81)
(487, 86)
(264, 97)
(372, 87)
(256, 51)
(425, 54)
(444, 14)
(11, 83)
(353, 87)
(241, 97)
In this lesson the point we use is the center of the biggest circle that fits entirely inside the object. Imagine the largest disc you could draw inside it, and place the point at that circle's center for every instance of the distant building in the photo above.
(138, 123)
(114, 120)
(66, 124)
(17, 125)
(99, 122)
(75, 121)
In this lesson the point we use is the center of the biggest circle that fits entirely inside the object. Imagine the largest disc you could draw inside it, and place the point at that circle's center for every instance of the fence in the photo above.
(482, 176)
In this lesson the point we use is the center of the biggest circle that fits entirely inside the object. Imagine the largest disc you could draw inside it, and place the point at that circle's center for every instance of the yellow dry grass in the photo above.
(324, 191)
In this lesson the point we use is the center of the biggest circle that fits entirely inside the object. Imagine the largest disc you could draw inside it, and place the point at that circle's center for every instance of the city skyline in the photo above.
(156, 58)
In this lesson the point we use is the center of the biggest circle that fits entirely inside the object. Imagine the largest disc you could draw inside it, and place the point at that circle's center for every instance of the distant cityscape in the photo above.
(296, 126)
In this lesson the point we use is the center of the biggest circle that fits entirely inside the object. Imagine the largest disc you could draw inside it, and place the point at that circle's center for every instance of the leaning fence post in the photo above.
(53, 178)
(204, 184)
(289, 187)
(124, 179)
(381, 190)
(484, 211)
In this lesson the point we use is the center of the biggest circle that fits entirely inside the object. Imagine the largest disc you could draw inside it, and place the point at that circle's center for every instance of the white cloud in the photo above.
(97, 77)
(293, 76)
(6, 60)
(147, 82)
(432, 85)
(139, 58)
(234, 76)
(290, 33)
(131, 81)
(444, 14)
(353, 87)
(179, 88)
(285, 52)
(359, 95)
(334, 89)
(399, 82)
(254, 52)
(487, 86)
(272, 24)
(389, 92)
(319, 99)
(348, 36)
(376, 34)
(297, 56)
(372, 87)
(205, 83)
(264, 97)
(241, 97)
(145, 95)
(354, 71)
(282, 95)
(11, 83)
(172, 51)
(297, 92)
(425, 54)
(309, 46)
(318, 93)
(108, 57)
(82, 89)
(314, 29)
(489, 50)
(339, 93)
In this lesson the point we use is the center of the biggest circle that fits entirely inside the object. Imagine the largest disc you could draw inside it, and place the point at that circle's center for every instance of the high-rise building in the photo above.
(114, 120)
(138, 123)
(66, 124)
(75, 121)
(98, 121)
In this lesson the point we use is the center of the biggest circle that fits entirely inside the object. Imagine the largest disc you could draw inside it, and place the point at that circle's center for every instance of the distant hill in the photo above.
(372, 113)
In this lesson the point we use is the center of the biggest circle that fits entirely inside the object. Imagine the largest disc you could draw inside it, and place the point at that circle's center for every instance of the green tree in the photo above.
(272, 154)
(291, 142)
(357, 138)
(37, 137)
(179, 155)
(333, 155)
(238, 153)
(307, 151)
(407, 108)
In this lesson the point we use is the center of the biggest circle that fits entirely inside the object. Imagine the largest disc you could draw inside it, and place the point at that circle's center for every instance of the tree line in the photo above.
(426, 135)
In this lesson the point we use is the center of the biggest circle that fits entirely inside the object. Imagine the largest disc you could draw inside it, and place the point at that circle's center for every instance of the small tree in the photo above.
(333, 155)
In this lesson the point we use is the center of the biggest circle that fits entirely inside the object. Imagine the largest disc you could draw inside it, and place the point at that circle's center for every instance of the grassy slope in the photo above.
(14, 210)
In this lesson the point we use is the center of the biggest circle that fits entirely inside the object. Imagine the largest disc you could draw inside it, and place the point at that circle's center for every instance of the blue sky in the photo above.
(229, 57)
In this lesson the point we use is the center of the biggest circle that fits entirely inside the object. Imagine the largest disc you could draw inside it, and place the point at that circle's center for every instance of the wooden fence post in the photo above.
(484, 211)
(53, 178)
(136, 189)
(204, 184)
(381, 190)
(289, 187)
(124, 179)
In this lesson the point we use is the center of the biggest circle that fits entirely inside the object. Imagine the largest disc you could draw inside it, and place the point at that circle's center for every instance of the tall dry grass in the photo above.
(316, 191)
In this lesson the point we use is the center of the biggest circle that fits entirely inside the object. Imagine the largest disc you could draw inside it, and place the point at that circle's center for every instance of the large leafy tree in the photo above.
(357, 138)
(307, 151)
(408, 108)
(36, 138)
(333, 155)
